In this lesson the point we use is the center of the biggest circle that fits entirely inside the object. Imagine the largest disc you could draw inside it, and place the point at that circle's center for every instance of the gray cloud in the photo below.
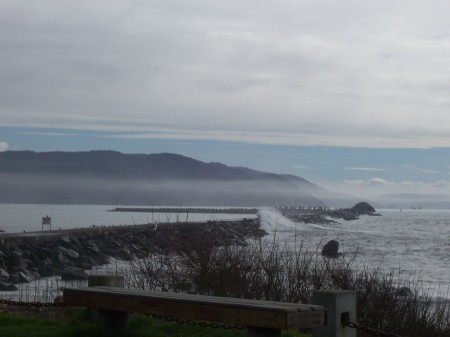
(290, 72)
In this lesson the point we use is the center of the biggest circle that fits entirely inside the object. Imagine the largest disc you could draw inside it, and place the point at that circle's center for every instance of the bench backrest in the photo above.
(248, 313)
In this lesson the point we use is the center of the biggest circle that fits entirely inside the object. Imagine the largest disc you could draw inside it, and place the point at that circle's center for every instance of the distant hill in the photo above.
(109, 177)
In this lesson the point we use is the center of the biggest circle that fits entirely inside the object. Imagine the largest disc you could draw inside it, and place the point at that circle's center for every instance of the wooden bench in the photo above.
(262, 318)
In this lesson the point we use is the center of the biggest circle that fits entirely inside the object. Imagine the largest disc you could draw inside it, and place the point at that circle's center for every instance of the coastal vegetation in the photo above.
(268, 270)
(262, 269)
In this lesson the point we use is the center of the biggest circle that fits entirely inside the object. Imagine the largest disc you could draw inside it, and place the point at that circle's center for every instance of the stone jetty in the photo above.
(26, 257)
(187, 210)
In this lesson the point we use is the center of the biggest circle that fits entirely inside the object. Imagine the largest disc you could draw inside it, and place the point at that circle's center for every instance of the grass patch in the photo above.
(138, 326)
(14, 326)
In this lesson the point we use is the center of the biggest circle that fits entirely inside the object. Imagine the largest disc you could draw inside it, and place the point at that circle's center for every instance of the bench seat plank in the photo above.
(264, 314)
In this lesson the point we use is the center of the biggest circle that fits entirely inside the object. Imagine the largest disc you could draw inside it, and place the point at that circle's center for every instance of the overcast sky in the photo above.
(291, 81)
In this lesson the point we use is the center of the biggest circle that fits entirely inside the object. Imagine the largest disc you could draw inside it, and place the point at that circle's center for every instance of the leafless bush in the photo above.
(268, 270)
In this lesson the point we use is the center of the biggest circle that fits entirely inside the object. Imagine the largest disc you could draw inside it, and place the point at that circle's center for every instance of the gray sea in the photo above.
(413, 244)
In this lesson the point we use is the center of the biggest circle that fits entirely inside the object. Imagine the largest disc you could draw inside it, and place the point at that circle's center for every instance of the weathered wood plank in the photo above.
(264, 314)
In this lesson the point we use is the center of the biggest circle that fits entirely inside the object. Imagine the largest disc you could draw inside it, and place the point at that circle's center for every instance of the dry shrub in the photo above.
(268, 270)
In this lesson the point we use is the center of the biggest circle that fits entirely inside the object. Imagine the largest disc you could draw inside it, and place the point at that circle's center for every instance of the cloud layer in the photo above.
(348, 73)
(3, 146)
(379, 186)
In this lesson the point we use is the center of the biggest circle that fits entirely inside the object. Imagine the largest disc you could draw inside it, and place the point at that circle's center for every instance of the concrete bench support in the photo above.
(337, 302)
(108, 320)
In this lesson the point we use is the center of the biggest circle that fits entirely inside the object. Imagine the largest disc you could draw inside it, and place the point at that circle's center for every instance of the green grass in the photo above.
(13, 326)
(138, 326)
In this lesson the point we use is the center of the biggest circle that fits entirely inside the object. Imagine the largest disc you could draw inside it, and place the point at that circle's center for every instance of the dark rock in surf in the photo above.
(404, 292)
(331, 249)
(363, 208)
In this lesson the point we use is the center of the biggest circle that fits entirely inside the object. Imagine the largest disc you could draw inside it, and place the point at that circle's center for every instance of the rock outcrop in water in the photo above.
(320, 215)
(331, 249)
(363, 208)
(70, 253)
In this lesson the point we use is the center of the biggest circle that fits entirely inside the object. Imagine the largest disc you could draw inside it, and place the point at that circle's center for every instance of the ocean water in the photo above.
(414, 245)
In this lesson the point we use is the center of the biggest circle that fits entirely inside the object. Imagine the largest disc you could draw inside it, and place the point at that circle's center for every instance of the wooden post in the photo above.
(337, 303)
(109, 320)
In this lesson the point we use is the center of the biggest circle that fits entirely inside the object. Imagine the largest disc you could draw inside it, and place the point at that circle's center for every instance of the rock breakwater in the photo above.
(69, 253)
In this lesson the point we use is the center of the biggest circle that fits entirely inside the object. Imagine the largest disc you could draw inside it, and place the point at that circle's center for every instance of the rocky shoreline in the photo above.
(69, 253)
(187, 210)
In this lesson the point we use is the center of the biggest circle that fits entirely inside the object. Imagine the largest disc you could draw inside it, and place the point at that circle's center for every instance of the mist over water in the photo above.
(272, 221)
(99, 190)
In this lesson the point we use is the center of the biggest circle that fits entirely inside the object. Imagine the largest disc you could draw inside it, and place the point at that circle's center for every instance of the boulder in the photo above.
(331, 249)
(14, 277)
(47, 268)
(69, 252)
(61, 258)
(16, 252)
(72, 253)
(65, 239)
(93, 246)
(4, 274)
(88, 261)
(7, 287)
(24, 277)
